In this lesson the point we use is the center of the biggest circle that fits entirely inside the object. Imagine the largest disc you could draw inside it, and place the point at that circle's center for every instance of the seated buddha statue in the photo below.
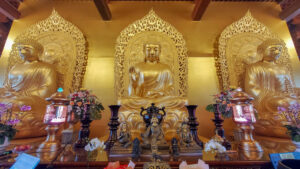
(151, 82)
(29, 83)
(270, 83)
(124, 138)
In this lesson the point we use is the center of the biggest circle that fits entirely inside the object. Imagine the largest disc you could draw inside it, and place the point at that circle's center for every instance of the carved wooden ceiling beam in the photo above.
(102, 6)
(199, 9)
(290, 11)
(9, 10)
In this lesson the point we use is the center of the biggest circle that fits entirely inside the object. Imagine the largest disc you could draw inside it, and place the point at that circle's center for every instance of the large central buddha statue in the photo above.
(29, 83)
(151, 82)
(270, 83)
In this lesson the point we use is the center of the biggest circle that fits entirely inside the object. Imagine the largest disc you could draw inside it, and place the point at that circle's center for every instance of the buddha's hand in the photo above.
(7, 93)
(133, 73)
(153, 94)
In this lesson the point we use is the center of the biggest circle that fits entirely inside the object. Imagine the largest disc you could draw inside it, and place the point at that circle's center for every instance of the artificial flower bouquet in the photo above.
(95, 149)
(215, 146)
(223, 101)
(291, 117)
(83, 101)
(8, 120)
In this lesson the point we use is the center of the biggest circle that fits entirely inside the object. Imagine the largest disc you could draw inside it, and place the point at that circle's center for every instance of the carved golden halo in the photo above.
(150, 23)
(247, 26)
(56, 27)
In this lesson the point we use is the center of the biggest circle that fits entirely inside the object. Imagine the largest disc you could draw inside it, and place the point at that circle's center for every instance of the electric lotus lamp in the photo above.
(244, 117)
(55, 115)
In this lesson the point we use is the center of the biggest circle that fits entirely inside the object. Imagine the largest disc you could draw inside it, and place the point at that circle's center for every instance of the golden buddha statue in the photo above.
(270, 83)
(151, 82)
(29, 83)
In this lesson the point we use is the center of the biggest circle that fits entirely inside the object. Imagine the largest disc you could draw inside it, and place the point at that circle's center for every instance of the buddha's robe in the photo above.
(152, 83)
(29, 84)
(270, 85)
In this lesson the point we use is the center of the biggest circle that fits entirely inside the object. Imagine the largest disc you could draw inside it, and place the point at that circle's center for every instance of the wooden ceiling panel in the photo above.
(9, 10)
(103, 9)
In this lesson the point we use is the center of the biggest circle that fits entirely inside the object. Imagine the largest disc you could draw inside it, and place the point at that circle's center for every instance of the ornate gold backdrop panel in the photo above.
(238, 48)
(64, 46)
(129, 50)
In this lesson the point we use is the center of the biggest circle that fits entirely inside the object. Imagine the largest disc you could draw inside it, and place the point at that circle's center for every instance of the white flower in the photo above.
(213, 145)
(94, 144)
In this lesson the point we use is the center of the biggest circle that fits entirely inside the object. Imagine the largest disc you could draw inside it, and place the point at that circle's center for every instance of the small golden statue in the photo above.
(151, 82)
(124, 138)
(270, 83)
(154, 135)
(187, 143)
(186, 138)
(29, 83)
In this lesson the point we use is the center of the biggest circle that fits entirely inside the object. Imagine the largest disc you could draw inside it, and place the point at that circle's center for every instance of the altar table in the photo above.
(69, 157)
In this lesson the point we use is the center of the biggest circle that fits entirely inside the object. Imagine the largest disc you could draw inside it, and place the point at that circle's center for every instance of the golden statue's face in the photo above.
(154, 121)
(27, 52)
(124, 127)
(152, 52)
(272, 52)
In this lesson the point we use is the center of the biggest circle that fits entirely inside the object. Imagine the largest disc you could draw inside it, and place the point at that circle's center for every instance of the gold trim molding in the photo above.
(64, 45)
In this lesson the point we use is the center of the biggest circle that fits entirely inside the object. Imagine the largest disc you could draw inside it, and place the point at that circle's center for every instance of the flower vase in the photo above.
(84, 133)
(92, 155)
(297, 144)
(101, 155)
(209, 155)
(4, 145)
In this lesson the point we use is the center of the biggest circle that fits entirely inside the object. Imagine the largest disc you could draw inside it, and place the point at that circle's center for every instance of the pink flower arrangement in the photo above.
(8, 120)
(223, 101)
(291, 117)
(83, 101)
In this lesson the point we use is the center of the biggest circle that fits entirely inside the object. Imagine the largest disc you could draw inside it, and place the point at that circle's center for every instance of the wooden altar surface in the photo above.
(68, 157)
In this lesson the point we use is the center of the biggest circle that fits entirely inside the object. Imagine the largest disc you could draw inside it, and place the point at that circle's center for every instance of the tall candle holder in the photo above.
(113, 126)
(243, 116)
(55, 115)
(193, 123)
